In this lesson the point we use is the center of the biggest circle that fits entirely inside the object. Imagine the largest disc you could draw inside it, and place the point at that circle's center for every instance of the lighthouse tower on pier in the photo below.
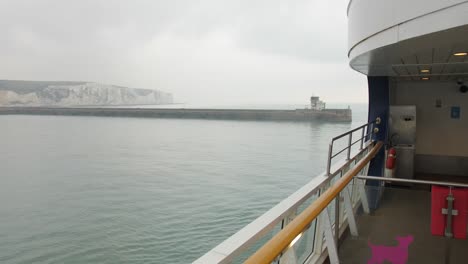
(316, 104)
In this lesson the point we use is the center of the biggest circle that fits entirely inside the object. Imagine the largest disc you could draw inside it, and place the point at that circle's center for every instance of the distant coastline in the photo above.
(64, 94)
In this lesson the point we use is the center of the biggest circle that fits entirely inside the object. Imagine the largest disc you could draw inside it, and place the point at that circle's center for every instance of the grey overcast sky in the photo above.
(205, 51)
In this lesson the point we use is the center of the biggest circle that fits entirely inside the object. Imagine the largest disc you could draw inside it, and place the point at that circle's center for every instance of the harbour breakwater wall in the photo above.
(333, 115)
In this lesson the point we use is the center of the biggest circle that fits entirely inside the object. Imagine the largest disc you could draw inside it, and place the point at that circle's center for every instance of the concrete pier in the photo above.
(333, 115)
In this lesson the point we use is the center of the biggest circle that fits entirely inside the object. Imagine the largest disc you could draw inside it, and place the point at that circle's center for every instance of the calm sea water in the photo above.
(133, 190)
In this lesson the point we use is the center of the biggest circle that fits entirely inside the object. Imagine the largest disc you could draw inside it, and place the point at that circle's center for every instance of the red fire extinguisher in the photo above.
(391, 157)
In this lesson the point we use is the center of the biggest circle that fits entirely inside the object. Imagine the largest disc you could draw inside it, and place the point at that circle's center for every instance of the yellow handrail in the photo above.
(268, 252)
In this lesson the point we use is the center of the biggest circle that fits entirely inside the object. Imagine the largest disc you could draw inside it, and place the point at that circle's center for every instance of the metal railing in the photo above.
(364, 135)
(441, 183)
(275, 246)
(311, 248)
(306, 217)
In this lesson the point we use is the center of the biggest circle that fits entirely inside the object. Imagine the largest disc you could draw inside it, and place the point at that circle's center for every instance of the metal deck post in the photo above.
(329, 238)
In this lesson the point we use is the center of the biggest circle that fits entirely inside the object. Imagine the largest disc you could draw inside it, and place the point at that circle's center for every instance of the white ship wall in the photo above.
(441, 145)
(436, 132)
(377, 23)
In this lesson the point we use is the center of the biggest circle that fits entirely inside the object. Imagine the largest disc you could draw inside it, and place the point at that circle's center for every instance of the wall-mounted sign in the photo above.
(455, 112)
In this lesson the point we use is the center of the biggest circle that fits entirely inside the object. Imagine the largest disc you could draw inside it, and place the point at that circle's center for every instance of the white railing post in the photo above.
(362, 190)
(337, 218)
(350, 142)
(350, 212)
(289, 256)
(362, 138)
(329, 237)
(330, 152)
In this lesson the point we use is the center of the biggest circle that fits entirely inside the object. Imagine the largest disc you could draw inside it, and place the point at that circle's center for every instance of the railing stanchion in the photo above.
(337, 219)
(442, 183)
(362, 138)
(329, 238)
(350, 142)
(330, 150)
(348, 204)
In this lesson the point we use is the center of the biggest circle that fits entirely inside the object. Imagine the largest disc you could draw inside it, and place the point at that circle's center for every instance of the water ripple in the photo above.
(129, 190)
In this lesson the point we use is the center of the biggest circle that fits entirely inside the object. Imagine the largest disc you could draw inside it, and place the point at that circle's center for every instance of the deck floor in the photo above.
(402, 212)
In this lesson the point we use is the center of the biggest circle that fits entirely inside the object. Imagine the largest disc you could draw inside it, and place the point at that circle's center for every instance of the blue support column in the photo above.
(379, 105)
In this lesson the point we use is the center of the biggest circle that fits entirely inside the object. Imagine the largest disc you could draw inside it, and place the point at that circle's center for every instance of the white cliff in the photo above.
(31, 93)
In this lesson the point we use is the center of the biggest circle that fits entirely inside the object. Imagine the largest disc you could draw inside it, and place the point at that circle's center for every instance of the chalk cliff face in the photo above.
(35, 93)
